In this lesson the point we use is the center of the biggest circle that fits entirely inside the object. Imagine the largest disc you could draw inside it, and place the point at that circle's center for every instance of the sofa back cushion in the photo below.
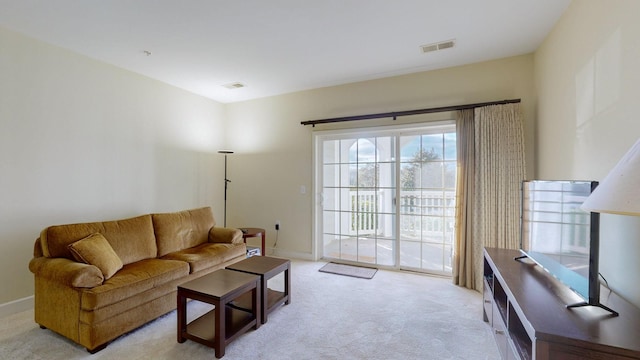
(182, 230)
(132, 239)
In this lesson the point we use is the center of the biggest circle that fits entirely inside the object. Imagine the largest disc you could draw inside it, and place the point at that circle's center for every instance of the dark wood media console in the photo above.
(526, 308)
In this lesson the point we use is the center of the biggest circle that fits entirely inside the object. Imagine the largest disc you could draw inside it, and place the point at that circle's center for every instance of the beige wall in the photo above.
(588, 84)
(274, 152)
(81, 141)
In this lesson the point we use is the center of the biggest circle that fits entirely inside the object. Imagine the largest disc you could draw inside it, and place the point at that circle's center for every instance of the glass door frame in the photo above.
(317, 202)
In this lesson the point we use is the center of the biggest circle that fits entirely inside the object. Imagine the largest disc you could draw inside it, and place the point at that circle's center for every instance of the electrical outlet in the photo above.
(277, 225)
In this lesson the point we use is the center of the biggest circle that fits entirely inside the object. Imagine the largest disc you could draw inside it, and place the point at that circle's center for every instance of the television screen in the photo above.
(558, 235)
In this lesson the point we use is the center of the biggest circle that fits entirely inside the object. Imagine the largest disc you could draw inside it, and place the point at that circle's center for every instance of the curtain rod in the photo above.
(395, 114)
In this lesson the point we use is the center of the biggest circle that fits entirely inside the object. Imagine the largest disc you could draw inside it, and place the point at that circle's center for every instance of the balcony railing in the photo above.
(437, 206)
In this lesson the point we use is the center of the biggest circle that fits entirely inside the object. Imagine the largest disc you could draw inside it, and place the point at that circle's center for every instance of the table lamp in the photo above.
(619, 191)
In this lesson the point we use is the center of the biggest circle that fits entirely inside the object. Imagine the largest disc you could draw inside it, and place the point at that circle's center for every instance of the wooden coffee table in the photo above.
(223, 324)
(267, 267)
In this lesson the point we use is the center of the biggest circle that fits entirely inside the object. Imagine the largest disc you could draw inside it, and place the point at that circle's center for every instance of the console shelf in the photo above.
(526, 308)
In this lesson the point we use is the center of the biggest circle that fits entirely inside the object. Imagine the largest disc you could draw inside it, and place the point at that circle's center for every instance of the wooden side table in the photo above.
(254, 232)
(266, 267)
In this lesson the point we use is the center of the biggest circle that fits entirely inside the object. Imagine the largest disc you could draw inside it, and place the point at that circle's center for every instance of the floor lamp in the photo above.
(226, 182)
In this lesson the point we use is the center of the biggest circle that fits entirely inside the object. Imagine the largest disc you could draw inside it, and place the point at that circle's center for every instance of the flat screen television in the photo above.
(560, 237)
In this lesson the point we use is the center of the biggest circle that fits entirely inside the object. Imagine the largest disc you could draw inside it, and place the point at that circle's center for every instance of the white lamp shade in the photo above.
(619, 191)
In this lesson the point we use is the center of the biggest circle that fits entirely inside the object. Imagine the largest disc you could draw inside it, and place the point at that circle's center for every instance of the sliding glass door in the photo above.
(387, 197)
(358, 187)
(427, 200)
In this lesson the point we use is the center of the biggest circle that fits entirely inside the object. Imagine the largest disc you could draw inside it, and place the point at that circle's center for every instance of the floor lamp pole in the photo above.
(226, 183)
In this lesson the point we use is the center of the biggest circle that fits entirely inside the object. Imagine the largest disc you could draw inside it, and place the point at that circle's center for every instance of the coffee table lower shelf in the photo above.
(202, 330)
(274, 298)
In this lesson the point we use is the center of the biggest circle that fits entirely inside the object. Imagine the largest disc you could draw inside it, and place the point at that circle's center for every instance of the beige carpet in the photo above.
(395, 315)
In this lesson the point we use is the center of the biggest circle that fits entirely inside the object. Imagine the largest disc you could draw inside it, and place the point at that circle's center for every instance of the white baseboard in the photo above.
(290, 254)
(16, 306)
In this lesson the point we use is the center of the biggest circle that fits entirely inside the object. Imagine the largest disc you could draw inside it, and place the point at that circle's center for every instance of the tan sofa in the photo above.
(92, 291)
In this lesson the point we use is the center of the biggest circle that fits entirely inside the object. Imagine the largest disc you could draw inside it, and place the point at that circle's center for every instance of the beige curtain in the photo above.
(491, 169)
(463, 251)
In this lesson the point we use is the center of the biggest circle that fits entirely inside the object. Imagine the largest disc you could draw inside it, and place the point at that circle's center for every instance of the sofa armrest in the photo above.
(225, 235)
(67, 272)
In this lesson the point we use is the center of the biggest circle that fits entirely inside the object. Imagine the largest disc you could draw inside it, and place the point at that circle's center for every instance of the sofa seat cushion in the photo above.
(207, 255)
(133, 279)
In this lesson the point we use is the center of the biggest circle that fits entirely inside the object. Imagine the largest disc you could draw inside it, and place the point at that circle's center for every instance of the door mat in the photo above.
(349, 270)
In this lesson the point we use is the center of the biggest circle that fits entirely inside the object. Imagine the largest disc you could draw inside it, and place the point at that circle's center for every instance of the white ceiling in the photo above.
(282, 46)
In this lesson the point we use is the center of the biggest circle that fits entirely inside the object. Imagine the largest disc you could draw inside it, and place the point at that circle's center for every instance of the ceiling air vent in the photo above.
(438, 46)
(235, 85)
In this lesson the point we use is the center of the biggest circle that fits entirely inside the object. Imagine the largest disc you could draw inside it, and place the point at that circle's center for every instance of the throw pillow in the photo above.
(96, 250)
